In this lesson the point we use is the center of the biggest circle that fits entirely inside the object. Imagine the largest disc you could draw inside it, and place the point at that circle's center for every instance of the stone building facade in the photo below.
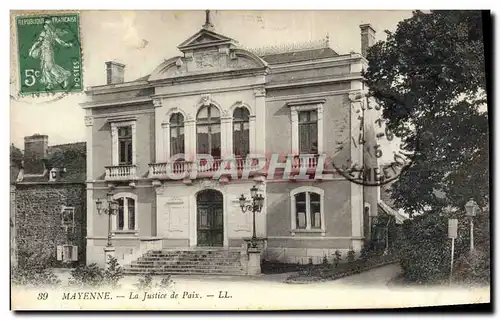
(220, 99)
(49, 205)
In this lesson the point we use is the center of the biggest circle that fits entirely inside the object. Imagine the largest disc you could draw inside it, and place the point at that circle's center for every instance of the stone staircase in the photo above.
(179, 261)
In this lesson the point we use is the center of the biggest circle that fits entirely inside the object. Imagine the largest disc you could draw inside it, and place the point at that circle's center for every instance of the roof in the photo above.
(69, 159)
(398, 215)
(385, 193)
(302, 55)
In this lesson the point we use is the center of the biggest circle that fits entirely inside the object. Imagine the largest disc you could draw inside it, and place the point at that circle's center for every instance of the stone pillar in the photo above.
(253, 268)
(226, 137)
(109, 252)
(254, 248)
(165, 154)
(251, 132)
(295, 132)
(357, 206)
(260, 119)
(190, 136)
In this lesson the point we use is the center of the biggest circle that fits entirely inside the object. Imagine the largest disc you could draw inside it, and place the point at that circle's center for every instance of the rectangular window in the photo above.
(121, 214)
(125, 145)
(308, 215)
(176, 140)
(67, 253)
(308, 132)
(131, 213)
(315, 210)
(68, 216)
(301, 205)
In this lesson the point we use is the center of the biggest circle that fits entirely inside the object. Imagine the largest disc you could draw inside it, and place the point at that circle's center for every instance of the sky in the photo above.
(143, 39)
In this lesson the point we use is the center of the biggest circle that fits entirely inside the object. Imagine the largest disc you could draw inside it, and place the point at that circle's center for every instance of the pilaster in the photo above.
(226, 139)
(190, 137)
(165, 143)
(260, 119)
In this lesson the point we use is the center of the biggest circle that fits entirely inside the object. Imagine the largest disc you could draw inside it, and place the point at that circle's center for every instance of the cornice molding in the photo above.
(310, 82)
(118, 87)
(210, 76)
(121, 102)
(351, 58)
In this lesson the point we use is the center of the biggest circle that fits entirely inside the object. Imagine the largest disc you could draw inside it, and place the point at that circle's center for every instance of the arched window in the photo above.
(208, 130)
(241, 133)
(307, 209)
(176, 134)
(125, 219)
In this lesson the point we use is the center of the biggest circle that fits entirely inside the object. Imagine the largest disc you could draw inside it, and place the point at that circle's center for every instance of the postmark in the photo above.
(371, 158)
(49, 53)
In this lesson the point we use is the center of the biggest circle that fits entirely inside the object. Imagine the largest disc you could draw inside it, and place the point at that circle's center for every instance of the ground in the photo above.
(376, 277)
(369, 289)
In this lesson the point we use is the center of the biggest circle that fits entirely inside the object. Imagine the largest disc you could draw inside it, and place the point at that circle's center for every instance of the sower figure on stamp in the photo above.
(43, 49)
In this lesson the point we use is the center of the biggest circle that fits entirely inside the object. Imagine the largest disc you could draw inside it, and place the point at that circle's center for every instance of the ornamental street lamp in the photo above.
(255, 206)
(471, 209)
(112, 209)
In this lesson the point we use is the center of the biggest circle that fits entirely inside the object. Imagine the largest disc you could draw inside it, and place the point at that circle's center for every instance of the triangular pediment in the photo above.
(205, 38)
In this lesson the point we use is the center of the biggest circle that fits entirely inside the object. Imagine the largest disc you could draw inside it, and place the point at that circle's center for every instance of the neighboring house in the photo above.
(48, 200)
(219, 99)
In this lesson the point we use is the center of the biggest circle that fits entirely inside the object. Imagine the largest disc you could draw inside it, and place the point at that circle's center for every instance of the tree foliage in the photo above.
(16, 155)
(429, 76)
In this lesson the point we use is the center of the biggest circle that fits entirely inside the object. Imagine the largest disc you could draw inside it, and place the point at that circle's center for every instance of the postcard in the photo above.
(249, 160)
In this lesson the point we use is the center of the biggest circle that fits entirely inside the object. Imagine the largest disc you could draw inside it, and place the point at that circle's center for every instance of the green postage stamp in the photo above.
(49, 53)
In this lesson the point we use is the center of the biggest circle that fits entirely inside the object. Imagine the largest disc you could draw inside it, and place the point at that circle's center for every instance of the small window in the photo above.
(125, 145)
(126, 219)
(300, 205)
(241, 132)
(315, 210)
(307, 211)
(67, 253)
(68, 217)
(176, 134)
(308, 132)
(121, 218)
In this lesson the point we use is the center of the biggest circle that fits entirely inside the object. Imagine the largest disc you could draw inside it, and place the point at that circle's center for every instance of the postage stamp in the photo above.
(49, 53)
(196, 173)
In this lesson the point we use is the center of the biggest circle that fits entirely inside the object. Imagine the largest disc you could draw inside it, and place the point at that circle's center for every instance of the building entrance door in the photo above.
(210, 222)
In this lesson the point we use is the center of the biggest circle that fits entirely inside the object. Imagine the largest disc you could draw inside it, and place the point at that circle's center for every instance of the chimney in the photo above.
(367, 38)
(115, 72)
(35, 152)
(36, 146)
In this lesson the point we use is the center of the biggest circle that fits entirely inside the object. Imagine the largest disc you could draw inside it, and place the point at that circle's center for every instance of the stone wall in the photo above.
(39, 220)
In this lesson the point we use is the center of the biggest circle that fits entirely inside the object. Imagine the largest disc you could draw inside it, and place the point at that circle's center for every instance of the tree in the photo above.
(16, 155)
(429, 77)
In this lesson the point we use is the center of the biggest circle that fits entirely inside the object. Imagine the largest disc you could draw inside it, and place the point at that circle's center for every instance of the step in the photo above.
(194, 271)
(192, 266)
(159, 264)
(213, 272)
(204, 261)
(206, 253)
(191, 256)
(180, 260)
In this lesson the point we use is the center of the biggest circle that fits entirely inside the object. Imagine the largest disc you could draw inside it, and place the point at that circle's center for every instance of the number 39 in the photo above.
(31, 76)
(42, 296)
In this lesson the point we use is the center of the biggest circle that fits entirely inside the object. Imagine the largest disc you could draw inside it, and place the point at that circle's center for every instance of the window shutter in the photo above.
(59, 250)
(74, 253)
